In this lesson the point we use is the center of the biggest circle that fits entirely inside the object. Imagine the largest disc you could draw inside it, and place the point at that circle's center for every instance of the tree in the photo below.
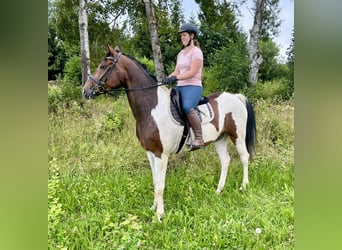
(266, 24)
(56, 50)
(269, 68)
(84, 40)
(290, 63)
(169, 18)
(224, 47)
(218, 26)
(160, 73)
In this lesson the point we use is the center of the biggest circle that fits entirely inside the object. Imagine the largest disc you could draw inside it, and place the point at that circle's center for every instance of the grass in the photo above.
(100, 186)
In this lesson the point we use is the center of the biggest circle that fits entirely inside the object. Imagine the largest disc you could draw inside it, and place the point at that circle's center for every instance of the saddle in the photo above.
(204, 112)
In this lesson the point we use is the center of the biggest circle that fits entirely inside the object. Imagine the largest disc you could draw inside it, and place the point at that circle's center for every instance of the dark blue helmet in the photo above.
(190, 28)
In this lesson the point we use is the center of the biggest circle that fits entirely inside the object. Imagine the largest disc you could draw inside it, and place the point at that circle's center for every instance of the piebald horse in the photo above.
(158, 134)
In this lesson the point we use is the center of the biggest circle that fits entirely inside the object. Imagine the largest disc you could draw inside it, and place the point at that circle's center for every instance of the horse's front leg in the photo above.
(159, 167)
(151, 157)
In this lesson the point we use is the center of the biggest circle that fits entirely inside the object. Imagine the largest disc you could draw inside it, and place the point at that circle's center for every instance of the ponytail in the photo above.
(196, 43)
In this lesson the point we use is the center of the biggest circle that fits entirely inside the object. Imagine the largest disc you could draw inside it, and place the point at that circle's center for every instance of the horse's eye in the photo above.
(102, 67)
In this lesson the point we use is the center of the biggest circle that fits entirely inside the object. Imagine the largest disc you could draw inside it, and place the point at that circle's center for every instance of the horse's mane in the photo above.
(142, 67)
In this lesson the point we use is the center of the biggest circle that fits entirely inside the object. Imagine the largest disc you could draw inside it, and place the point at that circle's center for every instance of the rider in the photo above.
(188, 73)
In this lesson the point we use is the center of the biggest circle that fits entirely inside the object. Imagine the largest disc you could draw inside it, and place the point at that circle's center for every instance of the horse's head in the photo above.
(105, 77)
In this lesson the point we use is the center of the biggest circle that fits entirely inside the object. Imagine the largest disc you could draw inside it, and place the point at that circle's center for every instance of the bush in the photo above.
(275, 126)
(73, 71)
(274, 90)
(230, 68)
(148, 64)
(62, 94)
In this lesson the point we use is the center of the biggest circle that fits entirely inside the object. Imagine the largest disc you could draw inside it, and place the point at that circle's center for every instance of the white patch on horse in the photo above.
(169, 132)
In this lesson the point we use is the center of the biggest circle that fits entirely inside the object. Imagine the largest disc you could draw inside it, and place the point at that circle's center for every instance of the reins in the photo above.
(134, 89)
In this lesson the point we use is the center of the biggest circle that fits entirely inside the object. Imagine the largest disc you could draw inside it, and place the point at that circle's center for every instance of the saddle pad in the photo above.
(205, 113)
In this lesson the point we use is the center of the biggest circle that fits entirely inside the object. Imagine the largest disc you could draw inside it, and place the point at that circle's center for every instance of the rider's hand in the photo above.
(169, 79)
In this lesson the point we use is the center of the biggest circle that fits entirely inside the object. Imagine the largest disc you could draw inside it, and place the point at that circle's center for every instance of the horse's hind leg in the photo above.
(221, 148)
(244, 157)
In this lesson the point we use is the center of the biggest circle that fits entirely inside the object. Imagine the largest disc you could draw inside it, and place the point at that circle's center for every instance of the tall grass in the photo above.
(100, 186)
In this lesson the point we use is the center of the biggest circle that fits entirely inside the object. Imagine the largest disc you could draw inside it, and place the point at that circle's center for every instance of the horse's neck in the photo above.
(141, 101)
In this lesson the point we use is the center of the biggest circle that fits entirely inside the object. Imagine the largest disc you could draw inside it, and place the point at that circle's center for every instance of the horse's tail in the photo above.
(250, 139)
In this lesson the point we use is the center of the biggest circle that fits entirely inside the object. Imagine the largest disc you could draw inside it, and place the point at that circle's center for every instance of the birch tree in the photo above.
(265, 25)
(84, 40)
(255, 59)
(151, 19)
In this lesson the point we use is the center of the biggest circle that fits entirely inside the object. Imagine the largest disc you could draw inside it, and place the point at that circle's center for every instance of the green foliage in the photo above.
(277, 90)
(269, 51)
(100, 185)
(223, 44)
(230, 67)
(56, 49)
(270, 19)
(55, 208)
(108, 124)
(218, 28)
(63, 94)
(72, 70)
(149, 64)
(275, 130)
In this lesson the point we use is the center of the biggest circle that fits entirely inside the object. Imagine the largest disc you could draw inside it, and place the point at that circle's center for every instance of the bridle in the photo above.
(100, 83)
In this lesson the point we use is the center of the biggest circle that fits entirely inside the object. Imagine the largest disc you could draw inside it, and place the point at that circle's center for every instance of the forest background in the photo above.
(224, 43)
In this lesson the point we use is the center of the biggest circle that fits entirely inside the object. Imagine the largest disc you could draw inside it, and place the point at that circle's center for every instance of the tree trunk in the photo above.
(158, 60)
(254, 57)
(84, 40)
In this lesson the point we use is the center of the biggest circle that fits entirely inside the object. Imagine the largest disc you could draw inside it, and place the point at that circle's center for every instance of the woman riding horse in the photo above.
(188, 73)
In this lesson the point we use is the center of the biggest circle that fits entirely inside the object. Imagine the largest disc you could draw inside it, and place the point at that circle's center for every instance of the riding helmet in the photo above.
(188, 27)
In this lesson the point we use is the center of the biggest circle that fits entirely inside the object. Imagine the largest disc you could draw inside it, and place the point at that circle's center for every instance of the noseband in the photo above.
(99, 83)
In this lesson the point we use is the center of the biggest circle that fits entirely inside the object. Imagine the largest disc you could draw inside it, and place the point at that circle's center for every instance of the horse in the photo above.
(158, 133)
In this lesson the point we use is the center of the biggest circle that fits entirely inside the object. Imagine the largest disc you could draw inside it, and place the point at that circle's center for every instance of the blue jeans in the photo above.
(190, 96)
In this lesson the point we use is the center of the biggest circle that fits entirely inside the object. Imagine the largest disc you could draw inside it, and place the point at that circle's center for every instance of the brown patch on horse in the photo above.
(146, 128)
(230, 127)
(150, 141)
(214, 105)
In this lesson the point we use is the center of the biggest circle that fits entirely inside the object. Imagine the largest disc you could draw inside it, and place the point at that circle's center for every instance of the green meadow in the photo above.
(100, 184)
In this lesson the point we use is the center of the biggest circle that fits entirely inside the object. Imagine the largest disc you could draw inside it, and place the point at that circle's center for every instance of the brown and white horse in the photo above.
(158, 134)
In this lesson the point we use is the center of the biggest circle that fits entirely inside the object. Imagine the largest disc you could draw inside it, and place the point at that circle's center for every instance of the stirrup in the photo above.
(195, 147)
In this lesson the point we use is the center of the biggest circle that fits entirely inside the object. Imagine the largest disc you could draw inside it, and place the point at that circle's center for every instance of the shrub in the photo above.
(275, 126)
(63, 93)
(274, 90)
(230, 67)
(73, 71)
(149, 64)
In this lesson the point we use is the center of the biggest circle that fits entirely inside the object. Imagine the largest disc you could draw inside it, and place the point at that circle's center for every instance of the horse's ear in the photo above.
(117, 48)
(110, 49)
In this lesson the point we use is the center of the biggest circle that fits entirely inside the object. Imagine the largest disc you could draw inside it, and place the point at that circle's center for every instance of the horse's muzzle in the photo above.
(88, 93)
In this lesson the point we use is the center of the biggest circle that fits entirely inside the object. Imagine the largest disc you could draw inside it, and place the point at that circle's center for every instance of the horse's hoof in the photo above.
(218, 191)
(243, 187)
(153, 207)
(160, 217)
